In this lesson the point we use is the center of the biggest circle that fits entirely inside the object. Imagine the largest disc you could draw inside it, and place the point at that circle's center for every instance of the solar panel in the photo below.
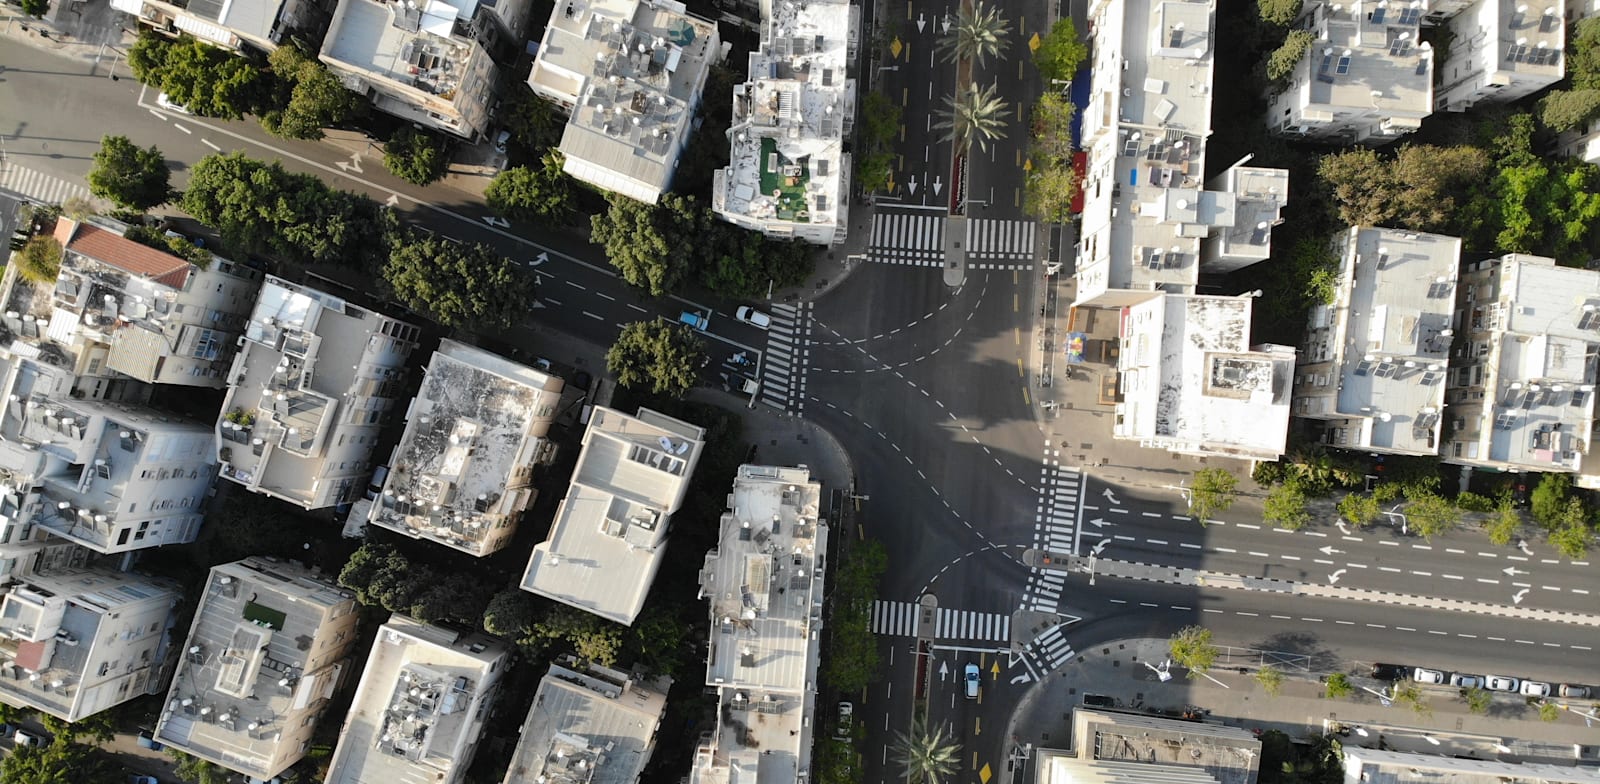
(1363, 368)
(1344, 65)
(1376, 17)
(1549, 23)
(1410, 16)
(1516, 52)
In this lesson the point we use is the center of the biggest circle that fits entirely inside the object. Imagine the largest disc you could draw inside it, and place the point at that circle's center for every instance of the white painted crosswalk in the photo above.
(38, 187)
(1000, 239)
(916, 239)
(903, 619)
(788, 355)
(1051, 649)
(1055, 531)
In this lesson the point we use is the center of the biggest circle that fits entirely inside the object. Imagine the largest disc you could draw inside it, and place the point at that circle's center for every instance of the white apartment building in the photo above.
(418, 60)
(1363, 765)
(110, 476)
(788, 175)
(1583, 144)
(1521, 392)
(462, 474)
(764, 583)
(1148, 223)
(268, 647)
(589, 725)
(1365, 79)
(74, 642)
(122, 310)
(1501, 51)
(1192, 384)
(231, 24)
(1375, 359)
(610, 532)
(421, 705)
(630, 74)
(1129, 748)
(308, 393)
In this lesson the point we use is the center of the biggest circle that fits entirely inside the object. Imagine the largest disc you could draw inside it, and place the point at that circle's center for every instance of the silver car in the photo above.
(1421, 675)
(1535, 689)
(1466, 681)
(1499, 683)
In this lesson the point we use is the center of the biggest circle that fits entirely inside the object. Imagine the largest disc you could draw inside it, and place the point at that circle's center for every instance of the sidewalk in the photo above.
(90, 31)
(1122, 671)
(835, 262)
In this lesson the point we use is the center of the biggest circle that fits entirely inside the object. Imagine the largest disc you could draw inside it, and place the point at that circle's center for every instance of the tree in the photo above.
(656, 355)
(198, 771)
(880, 125)
(510, 613)
(1278, 13)
(646, 244)
(1505, 523)
(1052, 128)
(456, 597)
(1430, 515)
(852, 647)
(1548, 502)
(1281, 63)
(978, 34)
(1212, 493)
(208, 81)
(418, 157)
(35, 8)
(1285, 506)
(40, 260)
(380, 576)
(60, 762)
(1478, 700)
(1338, 685)
(316, 99)
(1575, 538)
(100, 727)
(1191, 648)
(1048, 191)
(131, 177)
(1411, 696)
(974, 115)
(1569, 110)
(1549, 711)
(592, 638)
(1358, 509)
(927, 757)
(1424, 187)
(459, 285)
(1583, 54)
(1271, 679)
(541, 195)
(535, 124)
(1060, 53)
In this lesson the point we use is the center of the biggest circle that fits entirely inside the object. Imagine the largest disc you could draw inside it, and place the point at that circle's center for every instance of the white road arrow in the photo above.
(1342, 529)
(1100, 546)
(541, 258)
(1512, 571)
(944, 671)
(920, 22)
(1098, 523)
(1523, 545)
(1110, 496)
(1518, 598)
(1330, 551)
(392, 201)
(937, 185)
(944, 24)
(1334, 578)
(354, 164)
(912, 185)
(536, 305)
(494, 220)
(1023, 678)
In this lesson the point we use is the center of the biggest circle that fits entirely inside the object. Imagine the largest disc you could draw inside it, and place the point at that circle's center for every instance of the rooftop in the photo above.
(462, 468)
(254, 18)
(1192, 383)
(590, 726)
(1259, 195)
(1531, 38)
(1058, 768)
(610, 532)
(420, 706)
(264, 652)
(1375, 766)
(1227, 754)
(1369, 58)
(418, 43)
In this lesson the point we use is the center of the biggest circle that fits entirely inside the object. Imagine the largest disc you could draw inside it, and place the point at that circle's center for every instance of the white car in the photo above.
(500, 141)
(1499, 683)
(753, 317)
(1466, 681)
(970, 678)
(1535, 689)
(1421, 675)
(172, 106)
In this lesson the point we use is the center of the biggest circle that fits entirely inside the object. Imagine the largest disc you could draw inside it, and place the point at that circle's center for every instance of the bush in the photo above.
(418, 157)
(1283, 60)
(1268, 474)
(1285, 506)
(1549, 499)
(1338, 685)
(40, 260)
(35, 8)
(1472, 502)
(1359, 509)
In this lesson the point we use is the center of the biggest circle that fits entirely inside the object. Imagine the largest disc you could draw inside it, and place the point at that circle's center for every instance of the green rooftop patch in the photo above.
(263, 614)
(785, 181)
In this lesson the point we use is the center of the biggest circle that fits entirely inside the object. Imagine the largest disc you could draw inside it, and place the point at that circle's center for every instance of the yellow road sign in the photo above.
(895, 47)
(1027, 165)
(1034, 42)
(985, 774)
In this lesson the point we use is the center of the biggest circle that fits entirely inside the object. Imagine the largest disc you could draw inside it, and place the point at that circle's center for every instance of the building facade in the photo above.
(230, 24)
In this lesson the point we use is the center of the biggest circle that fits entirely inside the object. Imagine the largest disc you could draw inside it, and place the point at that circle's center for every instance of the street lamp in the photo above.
(888, 68)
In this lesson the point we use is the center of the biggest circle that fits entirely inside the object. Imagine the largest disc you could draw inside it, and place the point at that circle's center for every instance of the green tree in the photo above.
(510, 613)
(1505, 523)
(40, 259)
(1423, 187)
(541, 195)
(1574, 539)
(1048, 191)
(1583, 54)
(1472, 502)
(1060, 53)
(61, 762)
(853, 660)
(1271, 679)
(1052, 128)
(1549, 711)
(656, 355)
(197, 771)
(1281, 63)
(740, 263)
(1411, 696)
(1430, 515)
(1569, 110)
(1338, 685)
(1191, 648)
(418, 157)
(459, 285)
(647, 244)
(1285, 506)
(208, 81)
(1212, 493)
(132, 178)
(535, 124)
(1478, 700)
(380, 577)
(657, 641)
(315, 99)
(99, 727)
(880, 127)
(1548, 502)
(457, 598)
(35, 8)
(927, 756)
(1358, 509)
(1278, 13)
(979, 33)
(975, 115)
(592, 638)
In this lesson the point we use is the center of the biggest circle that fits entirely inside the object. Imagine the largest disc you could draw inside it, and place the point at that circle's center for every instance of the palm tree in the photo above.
(976, 35)
(974, 116)
(927, 757)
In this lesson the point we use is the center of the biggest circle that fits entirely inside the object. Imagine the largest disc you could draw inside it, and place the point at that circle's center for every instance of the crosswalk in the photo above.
(38, 187)
(918, 240)
(903, 619)
(788, 355)
(1050, 649)
(1010, 240)
(1055, 531)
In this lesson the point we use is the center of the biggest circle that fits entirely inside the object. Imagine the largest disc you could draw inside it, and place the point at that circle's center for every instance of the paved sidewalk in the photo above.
(90, 32)
(1122, 671)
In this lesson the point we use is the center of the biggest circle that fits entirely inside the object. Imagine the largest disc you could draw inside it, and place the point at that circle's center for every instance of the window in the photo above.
(122, 538)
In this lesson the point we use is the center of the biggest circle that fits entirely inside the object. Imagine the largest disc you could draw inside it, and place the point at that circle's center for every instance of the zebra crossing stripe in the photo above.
(37, 186)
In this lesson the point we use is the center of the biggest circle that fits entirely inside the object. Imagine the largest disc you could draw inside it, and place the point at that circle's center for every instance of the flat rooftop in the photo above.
(1364, 61)
(588, 726)
(1531, 37)
(416, 716)
(1375, 766)
(1059, 768)
(251, 17)
(416, 43)
(1259, 195)
(1228, 754)
(462, 468)
(610, 531)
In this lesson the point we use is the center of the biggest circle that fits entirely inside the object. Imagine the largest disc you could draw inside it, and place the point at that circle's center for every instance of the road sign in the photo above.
(1034, 43)
(895, 47)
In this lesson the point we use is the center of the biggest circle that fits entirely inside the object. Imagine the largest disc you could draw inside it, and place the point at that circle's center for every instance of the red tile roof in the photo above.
(129, 256)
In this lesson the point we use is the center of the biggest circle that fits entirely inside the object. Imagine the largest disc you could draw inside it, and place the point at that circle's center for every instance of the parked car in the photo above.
(1390, 672)
(375, 486)
(1500, 683)
(847, 720)
(753, 317)
(25, 738)
(695, 319)
(1098, 701)
(170, 105)
(147, 740)
(1466, 681)
(971, 678)
(500, 140)
(1535, 689)
(1421, 675)
(1573, 690)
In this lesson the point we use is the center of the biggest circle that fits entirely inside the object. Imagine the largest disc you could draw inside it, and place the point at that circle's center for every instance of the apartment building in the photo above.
(1364, 765)
(1501, 51)
(1192, 384)
(76, 641)
(419, 60)
(110, 476)
(589, 725)
(788, 175)
(269, 645)
(1375, 359)
(122, 310)
(1148, 222)
(629, 74)
(1520, 392)
(231, 24)
(420, 707)
(610, 532)
(462, 474)
(1365, 79)
(1113, 747)
(764, 583)
(307, 394)
(1582, 143)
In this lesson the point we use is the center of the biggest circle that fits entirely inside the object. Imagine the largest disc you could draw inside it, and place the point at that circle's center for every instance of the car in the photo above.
(375, 486)
(1535, 689)
(147, 740)
(971, 678)
(1466, 681)
(1421, 675)
(847, 720)
(695, 319)
(753, 317)
(500, 140)
(543, 364)
(136, 779)
(1500, 683)
(1390, 672)
(1573, 690)
(25, 738)
(170, 105)
(740, 384)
